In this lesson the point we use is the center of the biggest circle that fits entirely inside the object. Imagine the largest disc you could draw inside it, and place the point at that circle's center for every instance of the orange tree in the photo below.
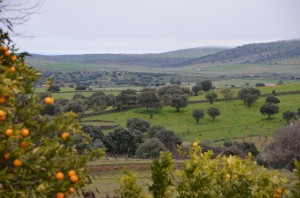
(37, 153)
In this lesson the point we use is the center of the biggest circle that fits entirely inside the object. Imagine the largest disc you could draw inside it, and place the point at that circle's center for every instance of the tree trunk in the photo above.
(177, 109)
(197, 120)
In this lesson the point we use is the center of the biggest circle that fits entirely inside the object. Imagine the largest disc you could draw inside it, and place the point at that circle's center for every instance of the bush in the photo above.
(80, 88)
(284, 148)
(138, 124)
(151, 148)
(221, 177)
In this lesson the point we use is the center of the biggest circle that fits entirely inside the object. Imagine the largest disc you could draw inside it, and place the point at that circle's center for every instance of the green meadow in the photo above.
(236, 120)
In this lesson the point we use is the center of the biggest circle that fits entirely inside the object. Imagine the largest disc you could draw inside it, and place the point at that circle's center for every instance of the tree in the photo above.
(73, 107)
(17, 12)
(196, 89)
(211, 97)
(54, 88)
(148, 98)
(137, 124)
(213, 112)
(123, 141)
(197, 114)
(151, 148)
(206, 85)
(287, 115)
(269, 109)
(250, 99)
(80, 88)
(272, 99)
(127, 97)
(284, 148)
(35, 150)
(53, 109)
(178, 101)
(167, 137)
(249, 95)
(227, 93)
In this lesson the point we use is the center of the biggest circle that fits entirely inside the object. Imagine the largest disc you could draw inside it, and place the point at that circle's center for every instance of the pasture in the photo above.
(236, 120)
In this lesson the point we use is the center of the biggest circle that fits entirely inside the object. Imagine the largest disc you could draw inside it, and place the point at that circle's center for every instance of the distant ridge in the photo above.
(258, 53)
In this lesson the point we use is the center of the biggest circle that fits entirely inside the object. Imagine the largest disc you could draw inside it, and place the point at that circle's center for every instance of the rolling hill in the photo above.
(259, 53)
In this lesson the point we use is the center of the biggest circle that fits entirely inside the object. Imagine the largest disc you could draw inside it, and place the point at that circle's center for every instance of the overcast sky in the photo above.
(140, 26)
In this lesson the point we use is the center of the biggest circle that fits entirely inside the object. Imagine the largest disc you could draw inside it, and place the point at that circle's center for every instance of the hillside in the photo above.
(260, 53)
(149, 60)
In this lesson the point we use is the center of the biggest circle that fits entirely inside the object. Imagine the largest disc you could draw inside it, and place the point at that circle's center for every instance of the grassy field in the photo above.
(236, 120)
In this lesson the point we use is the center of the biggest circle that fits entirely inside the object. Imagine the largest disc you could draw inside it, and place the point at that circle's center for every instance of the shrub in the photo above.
(80, 88)
(138, 124)
(284, 148)
(151, 148)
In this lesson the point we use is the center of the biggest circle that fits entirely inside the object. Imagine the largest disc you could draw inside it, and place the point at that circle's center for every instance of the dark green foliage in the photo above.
(240, 148)
(166, 93)
(167, 137)
(197, 114)
(196, 89)
(284, 147)
(178, 101)
(250, 98)
(123, 141)
(78, 97)
(53, 109)
(149, 98)
(287, 115)
(127, 97)
(151, 148)
(74, 107)
(96, 135)
(213, 112)
(211, 97)
(248, 95)
(272, 99)
(54, 88)
(206, 85)
(81, 88)
(269, 109)
(138, 124)
(97, 101)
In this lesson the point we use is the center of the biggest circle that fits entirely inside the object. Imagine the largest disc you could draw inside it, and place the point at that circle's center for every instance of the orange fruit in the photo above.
(8, 132)
(17, 163)
(4, 48)
(24, 145)
(59, 176)
(12, 69)
(48, 100)
(279, 190)
(60, 195)
(2, 99)
(65, 135)
(2, 113)
(71, 190)
(74, 178)
(6, 156)
(7, 53)
(24, 132)
(71, 173)
(13, 58)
